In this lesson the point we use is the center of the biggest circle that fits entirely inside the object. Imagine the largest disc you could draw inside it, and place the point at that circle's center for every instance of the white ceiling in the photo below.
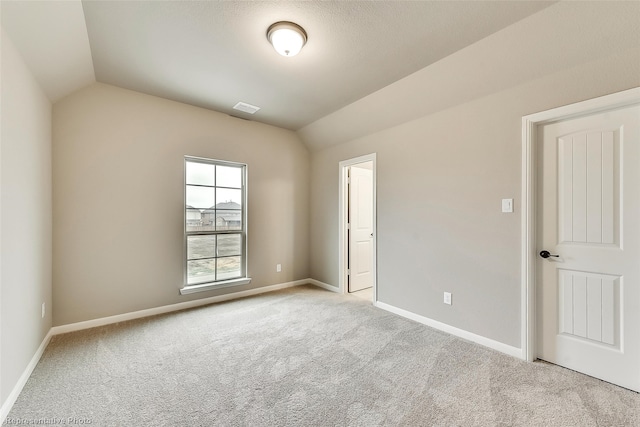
(562, 37)
(213, 54)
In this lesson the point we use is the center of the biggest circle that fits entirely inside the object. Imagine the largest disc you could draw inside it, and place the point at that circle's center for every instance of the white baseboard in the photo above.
(470, 336)
(17, 389)
(13, 396)
(72, 327)
(323, 285)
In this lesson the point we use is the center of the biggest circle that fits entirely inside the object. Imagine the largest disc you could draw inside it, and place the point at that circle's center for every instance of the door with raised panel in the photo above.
(360, 227)
(588, 234)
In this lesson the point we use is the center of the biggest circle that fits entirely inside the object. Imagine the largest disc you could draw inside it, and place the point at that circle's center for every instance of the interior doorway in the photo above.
(357, 227)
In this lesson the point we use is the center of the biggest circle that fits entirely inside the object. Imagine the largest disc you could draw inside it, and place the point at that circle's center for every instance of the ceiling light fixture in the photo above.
(286, 37)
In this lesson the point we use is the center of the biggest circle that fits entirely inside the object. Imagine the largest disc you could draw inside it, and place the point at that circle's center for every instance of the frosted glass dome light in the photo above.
(287, 38)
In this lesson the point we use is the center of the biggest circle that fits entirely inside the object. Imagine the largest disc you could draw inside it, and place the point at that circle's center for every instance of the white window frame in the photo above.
(244, 279)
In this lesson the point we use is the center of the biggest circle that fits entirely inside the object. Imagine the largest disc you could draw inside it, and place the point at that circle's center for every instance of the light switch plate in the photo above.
(447, 298)
(507, 205)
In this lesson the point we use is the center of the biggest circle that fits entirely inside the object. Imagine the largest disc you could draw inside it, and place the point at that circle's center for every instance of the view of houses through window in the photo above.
(214, 220)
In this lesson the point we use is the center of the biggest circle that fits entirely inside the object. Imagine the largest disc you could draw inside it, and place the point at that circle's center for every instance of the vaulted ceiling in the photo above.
(214, 54)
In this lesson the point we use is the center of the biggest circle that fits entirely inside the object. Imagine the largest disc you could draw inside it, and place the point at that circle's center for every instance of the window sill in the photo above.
(215, 285)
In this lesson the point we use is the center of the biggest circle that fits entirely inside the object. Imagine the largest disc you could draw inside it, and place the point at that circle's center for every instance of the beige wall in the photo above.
(118, 199)
(25, 217)
(440, 180)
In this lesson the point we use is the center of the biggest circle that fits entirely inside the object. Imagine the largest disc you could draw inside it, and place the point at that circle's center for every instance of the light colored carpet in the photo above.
(304, 357)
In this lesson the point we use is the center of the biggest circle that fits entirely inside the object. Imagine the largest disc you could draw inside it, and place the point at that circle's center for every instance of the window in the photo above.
(215, 226)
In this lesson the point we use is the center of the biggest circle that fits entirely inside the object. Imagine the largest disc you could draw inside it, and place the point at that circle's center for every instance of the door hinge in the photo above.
(348, 226)
(348, 272)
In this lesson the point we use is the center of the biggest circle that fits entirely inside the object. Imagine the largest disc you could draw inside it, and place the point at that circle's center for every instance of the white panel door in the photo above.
(588, 296)
(361, 229)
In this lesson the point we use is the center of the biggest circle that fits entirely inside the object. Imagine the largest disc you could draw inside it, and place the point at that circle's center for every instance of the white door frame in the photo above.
(530, 165)
(342, 223)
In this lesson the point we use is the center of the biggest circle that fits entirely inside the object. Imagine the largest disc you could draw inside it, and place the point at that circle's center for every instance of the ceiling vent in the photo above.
(247, 108)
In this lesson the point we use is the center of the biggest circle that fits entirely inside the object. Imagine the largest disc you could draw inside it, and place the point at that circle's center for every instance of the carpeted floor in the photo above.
(303, 357)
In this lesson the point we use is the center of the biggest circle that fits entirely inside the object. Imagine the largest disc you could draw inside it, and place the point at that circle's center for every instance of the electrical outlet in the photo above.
(447, 298)
(43, 310)
(278, 268)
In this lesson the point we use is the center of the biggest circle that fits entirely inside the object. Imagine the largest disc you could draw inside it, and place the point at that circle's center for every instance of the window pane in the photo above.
(228, 268)
(228, 199)
(200, 197)
(228, 220)
(201, 247)
(194, 216)
(200, 226)
(229, 244)
(227, 176)
(228, 209)
(200, 173)
(201, 271)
